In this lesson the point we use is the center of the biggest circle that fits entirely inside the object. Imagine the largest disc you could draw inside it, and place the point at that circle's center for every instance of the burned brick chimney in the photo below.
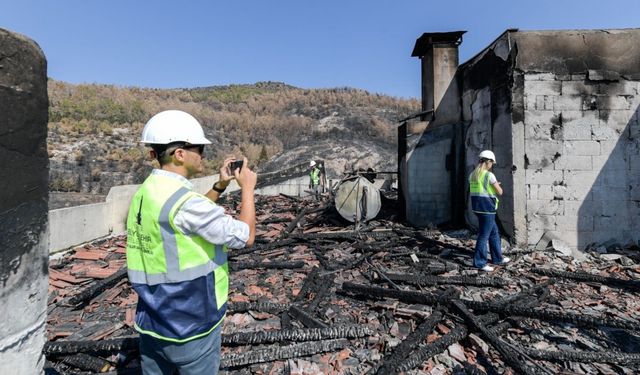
(428, 149)
(438, 53)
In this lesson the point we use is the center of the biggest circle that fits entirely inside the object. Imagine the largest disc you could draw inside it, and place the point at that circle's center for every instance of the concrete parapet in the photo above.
(72, 226)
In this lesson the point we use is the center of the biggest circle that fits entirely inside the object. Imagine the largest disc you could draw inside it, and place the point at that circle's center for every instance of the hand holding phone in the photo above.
(236, 164)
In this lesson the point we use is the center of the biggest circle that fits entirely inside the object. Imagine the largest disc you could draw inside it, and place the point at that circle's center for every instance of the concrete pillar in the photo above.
(23, 204)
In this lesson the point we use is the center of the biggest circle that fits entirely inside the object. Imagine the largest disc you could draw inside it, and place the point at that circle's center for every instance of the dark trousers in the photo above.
(196, 357)
(487, 232)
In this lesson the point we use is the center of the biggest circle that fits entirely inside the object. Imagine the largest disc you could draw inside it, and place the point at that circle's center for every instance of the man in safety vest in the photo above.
(314, 179)
(177, 249)
(484, 190)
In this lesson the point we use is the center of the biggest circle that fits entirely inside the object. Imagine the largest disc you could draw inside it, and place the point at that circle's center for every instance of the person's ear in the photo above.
(153, 154)
(179, 154)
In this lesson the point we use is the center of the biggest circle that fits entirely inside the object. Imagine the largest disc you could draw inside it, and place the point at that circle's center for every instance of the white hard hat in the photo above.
(173, 126)
(488, 154)
(312, 163)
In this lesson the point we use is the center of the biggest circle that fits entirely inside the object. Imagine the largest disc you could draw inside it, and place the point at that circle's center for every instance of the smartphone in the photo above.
(235, 165)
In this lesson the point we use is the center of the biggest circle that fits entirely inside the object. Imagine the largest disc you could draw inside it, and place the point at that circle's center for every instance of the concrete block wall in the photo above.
(582, 158)
(430, 184)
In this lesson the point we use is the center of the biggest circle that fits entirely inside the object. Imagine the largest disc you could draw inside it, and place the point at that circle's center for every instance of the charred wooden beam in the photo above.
(277, 352)
(273, 220)
(421, 279)
(307, 334)
(86, 362)
(584, 357)
(98, 287)
(305, 211)
(345, 266)
(583, 276)
(308, 288)
(403, 295)
(513, 358)
(292, 225)
(268, 307)
(261, 240)
(308, 285)
(507, 309)
(281, 210)
(422, 237)
(102, 346)
(347, 235)
(420, 355)
(428, 263)
(374, 247)
(402, 351)
(382, 275)
(425, 352)
(324, 262)
(525, 293)
(323, 287)
(527, 298)
(305, 318)
(266, 265)
(290, 197)
(552, 315)
(265, 247)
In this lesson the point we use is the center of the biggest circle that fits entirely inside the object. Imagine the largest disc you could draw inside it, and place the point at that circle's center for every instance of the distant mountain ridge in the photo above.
(94, 129)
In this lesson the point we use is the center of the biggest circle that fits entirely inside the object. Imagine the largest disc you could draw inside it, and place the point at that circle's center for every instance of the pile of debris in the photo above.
(317, 296)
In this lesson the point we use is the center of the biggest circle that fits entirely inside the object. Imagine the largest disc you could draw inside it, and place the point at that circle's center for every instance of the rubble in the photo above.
(314, 295)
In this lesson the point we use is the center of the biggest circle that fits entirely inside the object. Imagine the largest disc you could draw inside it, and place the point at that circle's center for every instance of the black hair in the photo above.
(161, 151)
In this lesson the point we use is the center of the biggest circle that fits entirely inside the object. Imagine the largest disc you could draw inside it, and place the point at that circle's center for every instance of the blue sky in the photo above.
(309, 44)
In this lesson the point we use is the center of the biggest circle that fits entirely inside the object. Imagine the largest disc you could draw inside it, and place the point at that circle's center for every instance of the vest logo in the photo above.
(141, 241)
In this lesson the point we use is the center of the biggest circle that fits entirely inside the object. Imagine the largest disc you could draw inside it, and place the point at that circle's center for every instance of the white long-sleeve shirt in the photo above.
(201, 216)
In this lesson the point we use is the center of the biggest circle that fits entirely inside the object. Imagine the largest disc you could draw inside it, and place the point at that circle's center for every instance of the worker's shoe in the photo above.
(487, 268)
(505, 260)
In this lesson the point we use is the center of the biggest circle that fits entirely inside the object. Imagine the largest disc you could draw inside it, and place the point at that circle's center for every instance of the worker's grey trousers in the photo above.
(195, 357)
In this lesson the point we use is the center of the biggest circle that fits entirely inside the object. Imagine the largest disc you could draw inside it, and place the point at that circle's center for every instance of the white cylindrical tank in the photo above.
(357, 199)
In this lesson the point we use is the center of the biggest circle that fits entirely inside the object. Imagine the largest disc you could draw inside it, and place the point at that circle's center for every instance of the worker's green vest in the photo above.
(483, 196)
(315, 176)
(182, 280)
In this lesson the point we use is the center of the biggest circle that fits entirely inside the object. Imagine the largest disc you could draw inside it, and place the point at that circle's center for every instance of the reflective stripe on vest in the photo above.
(483, 196)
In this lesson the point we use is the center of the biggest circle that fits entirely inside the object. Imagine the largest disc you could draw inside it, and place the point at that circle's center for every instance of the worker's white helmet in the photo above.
(312, 163)
(488, 154)
(173, 126)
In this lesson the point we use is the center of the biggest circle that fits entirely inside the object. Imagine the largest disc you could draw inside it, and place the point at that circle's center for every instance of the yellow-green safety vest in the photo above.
(181, 280)
(315, 176)
(483, 196)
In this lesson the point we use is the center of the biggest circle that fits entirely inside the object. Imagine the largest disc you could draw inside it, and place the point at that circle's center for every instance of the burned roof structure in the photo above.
(316, 296)
(560, 111)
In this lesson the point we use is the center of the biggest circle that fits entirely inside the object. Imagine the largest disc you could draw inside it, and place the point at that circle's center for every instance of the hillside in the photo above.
(94, 129)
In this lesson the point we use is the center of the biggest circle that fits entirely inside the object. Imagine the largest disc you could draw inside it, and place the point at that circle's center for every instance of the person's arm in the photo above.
(222, 183)
(497, 187)
(247, 179)
(202, 217)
